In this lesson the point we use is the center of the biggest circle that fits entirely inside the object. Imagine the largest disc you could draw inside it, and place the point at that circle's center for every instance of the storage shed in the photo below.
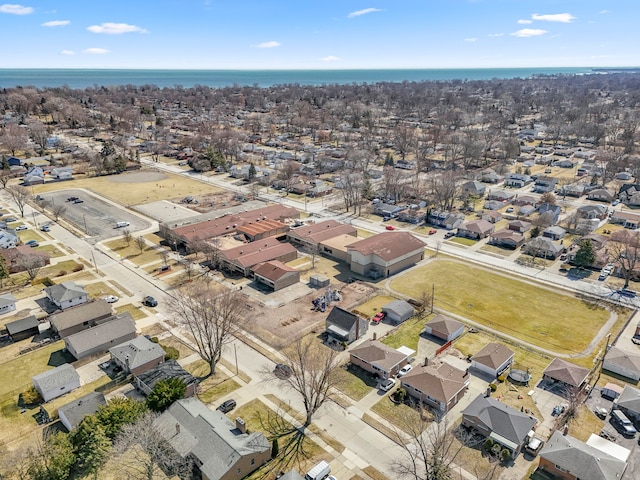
(398, 311)
(23, 328)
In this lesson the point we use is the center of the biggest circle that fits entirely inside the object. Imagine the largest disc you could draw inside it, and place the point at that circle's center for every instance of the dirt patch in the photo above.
(282, 325)
(211, 201)
(137, 177)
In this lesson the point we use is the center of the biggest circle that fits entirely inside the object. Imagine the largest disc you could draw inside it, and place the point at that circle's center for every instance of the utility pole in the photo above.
(433, 294)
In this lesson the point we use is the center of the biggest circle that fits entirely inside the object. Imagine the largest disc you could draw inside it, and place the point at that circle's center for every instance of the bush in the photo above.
(31, 396)
(61, 273)
(46, 281)
(493, 387)
(502, 377)
(78, 267)
(154, 339)
(165, 393)
(505, 455)
(488, 444)
(170, 353)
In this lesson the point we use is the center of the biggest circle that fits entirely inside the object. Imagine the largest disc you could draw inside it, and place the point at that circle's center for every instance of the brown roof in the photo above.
(388, 245)
(319, 232)
(441, 382)
(229, 223)
(260, 251)
(11, 254)
(376, 353)
(256, 228)
(273, 270)
(566, 372)
(493, 355)
(443, 324)
(631, 216)
(508, 235)
(477, 226)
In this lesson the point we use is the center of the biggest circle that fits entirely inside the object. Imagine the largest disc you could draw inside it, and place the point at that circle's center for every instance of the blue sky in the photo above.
(319, 34)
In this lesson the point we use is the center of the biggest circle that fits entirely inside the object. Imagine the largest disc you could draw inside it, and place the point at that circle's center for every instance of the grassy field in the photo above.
(373, 306)
(211, 388)
(467, 242)
(354, 384)
(407, 334)
(534, 314)
(171, 187)
(134, 310)
(401, 416)
(132, 253)
(51, 250)
(99, 289)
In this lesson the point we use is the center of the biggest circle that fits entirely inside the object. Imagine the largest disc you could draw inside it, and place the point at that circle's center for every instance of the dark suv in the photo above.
(227, 406)
(149, 301)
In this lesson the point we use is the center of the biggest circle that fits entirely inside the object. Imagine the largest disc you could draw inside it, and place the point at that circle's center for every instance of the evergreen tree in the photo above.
(165, 393)
(118, 412)
(4, 271)
(92, 446)
(252, 171)
(585, 256)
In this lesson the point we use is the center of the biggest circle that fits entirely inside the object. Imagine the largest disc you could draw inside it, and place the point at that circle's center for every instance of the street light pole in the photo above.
(84, 217)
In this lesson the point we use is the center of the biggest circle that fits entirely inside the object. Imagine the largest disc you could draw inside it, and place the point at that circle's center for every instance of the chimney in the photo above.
(426, 361)
(240, 425)
(375, 335)
(177, 429)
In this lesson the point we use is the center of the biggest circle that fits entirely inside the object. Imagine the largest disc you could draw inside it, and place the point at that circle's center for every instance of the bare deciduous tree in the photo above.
(31, 264)
(126, 236)
(212, 318)
(20, 196)
(624, 249)
(14, 138)
(313, 374)
(58, 210)
(143, 453)
(141, 243)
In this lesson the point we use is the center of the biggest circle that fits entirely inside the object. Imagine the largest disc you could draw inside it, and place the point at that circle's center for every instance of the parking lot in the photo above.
(94, 216)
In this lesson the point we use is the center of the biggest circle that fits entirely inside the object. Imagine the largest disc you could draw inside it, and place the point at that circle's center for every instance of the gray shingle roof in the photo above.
(76, 411)
(630, 399)
(621, 358)
(208, 435)
(7, 299)
(500, 418)
(137, 352)
(581, 460)
(566, 372)
(22, 325)
(56, 378)
(443, 324)
(80, 314)
(399, 307)
(65, 291)
(493, 355)
(102, 334)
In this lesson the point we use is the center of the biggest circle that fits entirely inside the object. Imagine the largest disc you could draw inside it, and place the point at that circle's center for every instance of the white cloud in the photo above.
(525, 22)
(529, 32)
(67, 52)
(115, 28)
(556, 17)
(56, 23)
(330, 58)
(271, 44)
(604, 12)
(364, 11)
(496, 34)
(95, 51)
(471, 40)
(15, 9)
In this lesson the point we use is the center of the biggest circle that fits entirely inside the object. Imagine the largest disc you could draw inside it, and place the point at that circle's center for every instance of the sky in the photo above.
(319, 34)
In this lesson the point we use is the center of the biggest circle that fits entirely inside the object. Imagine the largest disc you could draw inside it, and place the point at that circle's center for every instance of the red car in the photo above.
(433, 231)
(378, 317)
(390, 227)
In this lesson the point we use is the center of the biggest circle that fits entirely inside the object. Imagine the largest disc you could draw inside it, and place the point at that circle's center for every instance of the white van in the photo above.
(318, 472)
(122, 224)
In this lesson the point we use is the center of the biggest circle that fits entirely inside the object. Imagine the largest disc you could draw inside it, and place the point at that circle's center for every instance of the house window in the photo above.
(239, 471)
(559, 468)
(253, 461)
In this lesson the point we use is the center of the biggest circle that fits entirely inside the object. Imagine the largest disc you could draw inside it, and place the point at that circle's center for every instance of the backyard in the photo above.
(532, 313)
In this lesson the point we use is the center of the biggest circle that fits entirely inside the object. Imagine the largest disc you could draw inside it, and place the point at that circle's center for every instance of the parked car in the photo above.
(78, 200)
(10, 219)
(433, 231)
(110, 298)
(390, 227)
(404, 370)
(533, 446)
(449, 234)
(227, 406)
(45, 228)
(282, 371)
(510, 209)
(149, 301)
(378, 317)
(601, 412)
(387, 384)
(21, 227)
(615, 202)
(72, 199)
(622, 422)
(32, 244)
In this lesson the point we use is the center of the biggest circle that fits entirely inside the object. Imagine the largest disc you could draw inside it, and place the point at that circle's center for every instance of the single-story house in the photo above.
(623, 363)
(398, 311)
(62, 173)
(66, 294)
(625, 218)
(146, 381)
(492, 205)
(629, 194)
(81, 317)
(344, 326)
(56, 382)
(8, 240)
(552, 211)
(99, 339)
(222, 449)
(592, 212)
(629, 402)
(600, 195)
(275, 274)
(563, 372)
(137, 355)
(522, 200)
(311, 235)
(476, 229)
(386, 210)
(507, 239)
(554, 232)
(575, 190)
(7, 303)
(444, 327)
(526, 210)
(445, 220)
(568, 458)
(495, 420)
(474, 188)
(545, 184)
(517, 180)
(17, 258)
(378, 359)
(493, 359)
(439, 386)
(519, 226)
(492, 216)
(543, 247)
(72, 413)
(500, 195)
(243, 258)
(23, 328)
(385, 254)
